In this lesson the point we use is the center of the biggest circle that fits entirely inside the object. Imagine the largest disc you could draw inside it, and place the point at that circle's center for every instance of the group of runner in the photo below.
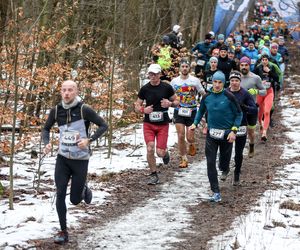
(234, 79)
(229, 87)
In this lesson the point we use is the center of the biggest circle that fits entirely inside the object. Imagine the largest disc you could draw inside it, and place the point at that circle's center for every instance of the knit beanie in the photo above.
(213, 58)
(219, 75)
(221, 37)
(245, 59)
(235, 74)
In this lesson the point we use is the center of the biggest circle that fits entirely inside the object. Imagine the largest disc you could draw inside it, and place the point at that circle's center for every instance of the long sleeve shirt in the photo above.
(223, 110)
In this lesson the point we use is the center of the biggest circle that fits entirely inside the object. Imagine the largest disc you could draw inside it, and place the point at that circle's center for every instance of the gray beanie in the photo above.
(213, 58)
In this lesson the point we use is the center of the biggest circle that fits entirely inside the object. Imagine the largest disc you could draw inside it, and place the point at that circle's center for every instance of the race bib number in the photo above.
(186, 112)
(242, 131)
(200, 62)
(156, 116)
(70, 138)
(217, 133)
(253, 61)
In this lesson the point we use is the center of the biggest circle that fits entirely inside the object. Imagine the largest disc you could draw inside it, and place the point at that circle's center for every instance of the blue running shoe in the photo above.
(216, 197)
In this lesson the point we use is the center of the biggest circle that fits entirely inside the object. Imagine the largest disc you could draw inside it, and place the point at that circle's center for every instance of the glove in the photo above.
(253, 91)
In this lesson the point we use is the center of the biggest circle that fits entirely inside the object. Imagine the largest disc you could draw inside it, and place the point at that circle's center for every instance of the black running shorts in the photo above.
(187, 121)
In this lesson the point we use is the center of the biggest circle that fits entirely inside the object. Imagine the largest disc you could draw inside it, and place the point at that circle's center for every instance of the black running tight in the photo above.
(65, 169)
(240, 143)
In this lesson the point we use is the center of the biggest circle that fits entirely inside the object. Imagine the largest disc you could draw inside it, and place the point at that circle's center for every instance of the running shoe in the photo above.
(166, 158)
(62, 237)
(236, 180)
(224, 175)
(216, 197)
(183, 163)
(251, 150)
(264, 138)
(192, 150)
(87, 194)
(153, 179)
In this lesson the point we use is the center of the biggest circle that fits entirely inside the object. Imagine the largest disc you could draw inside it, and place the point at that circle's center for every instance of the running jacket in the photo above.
(223, 110)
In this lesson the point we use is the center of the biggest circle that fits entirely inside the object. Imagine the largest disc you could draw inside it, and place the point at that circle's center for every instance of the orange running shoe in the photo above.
(192, 150)
(183, 163)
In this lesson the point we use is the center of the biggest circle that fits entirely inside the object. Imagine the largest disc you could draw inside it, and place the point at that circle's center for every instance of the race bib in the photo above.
(156, 116)
(242, 131)
(200, 62)
(217, 133)
(70, 138)
(253, 61)
(186, 112)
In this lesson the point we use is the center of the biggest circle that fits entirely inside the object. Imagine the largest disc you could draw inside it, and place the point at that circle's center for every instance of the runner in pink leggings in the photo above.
(265, 105)
(269, 78)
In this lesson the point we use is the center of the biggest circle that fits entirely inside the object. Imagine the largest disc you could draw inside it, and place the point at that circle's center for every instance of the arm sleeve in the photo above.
(48, 125)
(274, 74)
(199, 87)
(261, 88)
(251, 106)
(237, 110)
(90, 115)
(195, 48)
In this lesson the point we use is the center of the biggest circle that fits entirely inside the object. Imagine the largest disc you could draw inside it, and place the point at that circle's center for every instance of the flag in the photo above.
(227, 15)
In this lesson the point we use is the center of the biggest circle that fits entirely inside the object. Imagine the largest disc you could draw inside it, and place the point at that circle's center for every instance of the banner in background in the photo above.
(288, 10)
(227, 15)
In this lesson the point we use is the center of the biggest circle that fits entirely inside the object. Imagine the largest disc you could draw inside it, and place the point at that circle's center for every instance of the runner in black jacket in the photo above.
(73, 119)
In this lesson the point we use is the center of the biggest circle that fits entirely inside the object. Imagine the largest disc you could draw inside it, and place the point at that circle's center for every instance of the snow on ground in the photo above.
(159, 222)
(265, 227)
(35, 217)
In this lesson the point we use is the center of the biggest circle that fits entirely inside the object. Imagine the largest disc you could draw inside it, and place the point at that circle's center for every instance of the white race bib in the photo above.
(217, 133)
(157, 116)
(242, 131)
(186, 112)
(253, 61)
(70, 138)
(200, 62)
